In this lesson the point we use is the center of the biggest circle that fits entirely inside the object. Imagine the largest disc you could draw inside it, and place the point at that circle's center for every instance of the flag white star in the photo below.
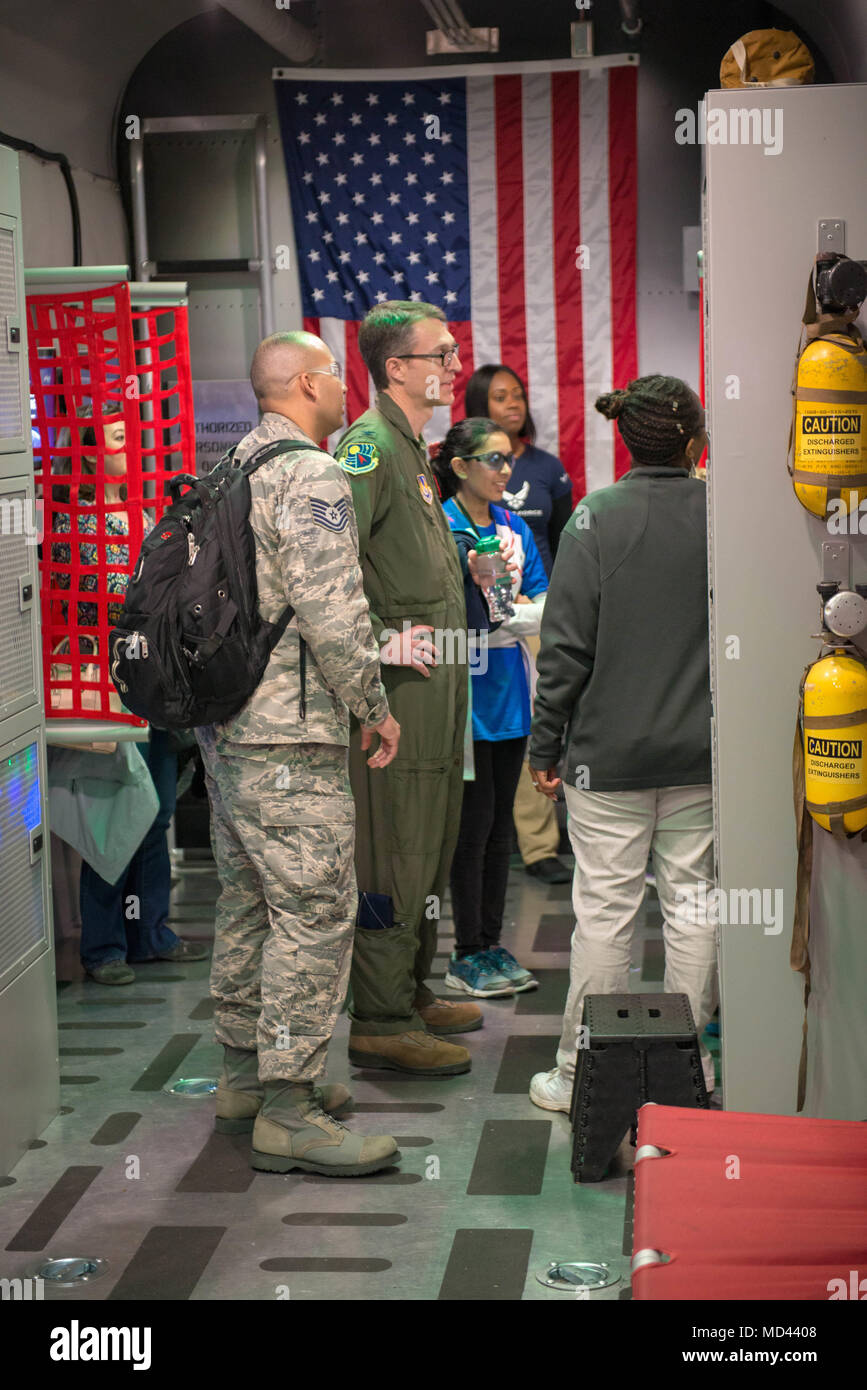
(409, 138)
(321, 118)
(391, 119)
(348, 296)
(360, 239)
(339, 138)
(446, 177)
(313, 255)
(431, 237)
(394, 198)
(301, 98)
(372, 99)
(327, 236)
(395, 238)
(428, 158)
(430, 198)
(358, 199)
(445, 138)
(344, 257)
(450, 296)
(343, 218)
(432, 277)
(376, 180)
(408, 99)
(318, 294)
(381, 296)
(413, 258)
(412, 218)
(332, 276)
(397, 276)
(376, 219)
(416, 294)
(340, 180)
(373, 139)
(379, 257)
(357, 159)
(355, 119)
(362, 277)
(336, 99)
(312, 217)
(324, 198)
(308, 177)
(394, 159)
(411, 178)
(450, 258)
(448, 217)
(445, 98)
(303, 137)
(322, 159)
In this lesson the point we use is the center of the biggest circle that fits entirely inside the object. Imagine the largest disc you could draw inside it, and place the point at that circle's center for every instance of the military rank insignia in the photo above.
(425, 488)
(360, 457)
(334, 516)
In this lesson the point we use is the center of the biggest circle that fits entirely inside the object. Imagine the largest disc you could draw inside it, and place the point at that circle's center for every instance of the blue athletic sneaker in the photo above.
(477, 975)
(506, 964)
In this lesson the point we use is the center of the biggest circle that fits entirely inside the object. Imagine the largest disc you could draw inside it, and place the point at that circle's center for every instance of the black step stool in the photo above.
(640, 1047)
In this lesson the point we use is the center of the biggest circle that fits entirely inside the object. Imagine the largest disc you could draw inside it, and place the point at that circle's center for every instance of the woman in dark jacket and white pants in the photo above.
(624, 671)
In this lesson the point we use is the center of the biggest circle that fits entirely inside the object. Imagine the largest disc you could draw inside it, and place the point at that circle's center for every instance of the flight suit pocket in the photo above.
(419, 803)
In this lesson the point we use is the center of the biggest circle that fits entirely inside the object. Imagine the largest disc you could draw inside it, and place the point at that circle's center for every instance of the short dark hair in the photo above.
(476, 395)
(386, 331)
(462, 439)
(60, 492)
(656, 416)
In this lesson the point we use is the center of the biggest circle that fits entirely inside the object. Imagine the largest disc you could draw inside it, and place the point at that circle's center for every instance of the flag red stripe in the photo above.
(510, 222)
(311, 325)
(565, 175)
(357, 395)
(463, 336)
(623, 199)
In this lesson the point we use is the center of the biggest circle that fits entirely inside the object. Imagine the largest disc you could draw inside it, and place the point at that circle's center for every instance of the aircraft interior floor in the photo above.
(480, 1203)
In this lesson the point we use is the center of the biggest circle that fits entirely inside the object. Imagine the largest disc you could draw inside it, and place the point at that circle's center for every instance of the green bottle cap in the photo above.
(488, 545)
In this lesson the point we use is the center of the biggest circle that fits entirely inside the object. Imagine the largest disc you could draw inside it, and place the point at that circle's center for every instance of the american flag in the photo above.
(508, 199)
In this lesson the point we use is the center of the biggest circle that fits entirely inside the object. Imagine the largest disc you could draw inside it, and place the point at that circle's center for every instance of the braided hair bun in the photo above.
(656, 417)
(611, 404)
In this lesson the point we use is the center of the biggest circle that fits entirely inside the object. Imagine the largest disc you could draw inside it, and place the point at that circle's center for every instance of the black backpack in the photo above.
(190, 646)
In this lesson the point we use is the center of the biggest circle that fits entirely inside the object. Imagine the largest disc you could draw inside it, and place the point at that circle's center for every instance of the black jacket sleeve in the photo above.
(478, 618)
(568, 643)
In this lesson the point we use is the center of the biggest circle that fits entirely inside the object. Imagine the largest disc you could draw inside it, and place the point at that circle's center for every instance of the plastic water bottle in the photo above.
(494, 578)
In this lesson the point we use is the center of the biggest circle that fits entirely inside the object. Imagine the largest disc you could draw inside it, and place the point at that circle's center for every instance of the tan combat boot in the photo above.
(419, 1053)
(292, 1131)
(239, 1093)
(444, 1016)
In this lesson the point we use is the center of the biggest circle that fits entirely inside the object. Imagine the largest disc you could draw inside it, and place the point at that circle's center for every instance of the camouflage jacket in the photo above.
(302, 518)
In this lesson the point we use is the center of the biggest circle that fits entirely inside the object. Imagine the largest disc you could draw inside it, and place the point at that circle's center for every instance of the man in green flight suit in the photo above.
(407, 814)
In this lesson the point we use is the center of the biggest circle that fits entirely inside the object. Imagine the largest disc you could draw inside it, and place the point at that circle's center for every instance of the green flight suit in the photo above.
(408, 813)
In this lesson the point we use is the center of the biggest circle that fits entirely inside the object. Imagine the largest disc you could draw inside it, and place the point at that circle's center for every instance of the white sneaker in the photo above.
(551, 1091)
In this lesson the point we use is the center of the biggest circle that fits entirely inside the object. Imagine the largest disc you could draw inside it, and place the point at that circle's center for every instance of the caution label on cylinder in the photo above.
(832, 435)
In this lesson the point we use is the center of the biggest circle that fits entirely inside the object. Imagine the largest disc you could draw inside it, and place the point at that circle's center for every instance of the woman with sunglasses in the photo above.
(473, 467)
(540, 493)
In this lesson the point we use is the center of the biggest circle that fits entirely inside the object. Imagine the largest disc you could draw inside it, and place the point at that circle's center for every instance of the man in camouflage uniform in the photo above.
(282, 816)
(408, 817)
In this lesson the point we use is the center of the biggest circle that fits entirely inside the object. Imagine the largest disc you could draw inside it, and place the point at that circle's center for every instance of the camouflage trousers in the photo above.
(282, 834)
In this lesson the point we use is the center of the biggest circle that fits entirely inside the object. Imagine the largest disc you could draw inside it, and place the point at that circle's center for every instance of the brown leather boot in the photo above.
(419, 1053)
(445, 1016)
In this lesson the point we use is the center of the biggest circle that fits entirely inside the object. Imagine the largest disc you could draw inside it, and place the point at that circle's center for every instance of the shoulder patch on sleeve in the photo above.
(333, 516)
(358, 457)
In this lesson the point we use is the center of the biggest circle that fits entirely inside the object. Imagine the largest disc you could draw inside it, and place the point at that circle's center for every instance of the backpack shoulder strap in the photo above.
(281, 446)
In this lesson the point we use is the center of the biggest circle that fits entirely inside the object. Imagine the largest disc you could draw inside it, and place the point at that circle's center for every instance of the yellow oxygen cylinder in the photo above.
(830, 458)
(835, 742)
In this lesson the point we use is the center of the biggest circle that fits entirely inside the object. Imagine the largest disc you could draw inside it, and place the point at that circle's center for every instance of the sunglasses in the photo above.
(494, 460)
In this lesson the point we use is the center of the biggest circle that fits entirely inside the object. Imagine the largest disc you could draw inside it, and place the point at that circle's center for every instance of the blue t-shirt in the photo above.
(501, 697)
(537, 480)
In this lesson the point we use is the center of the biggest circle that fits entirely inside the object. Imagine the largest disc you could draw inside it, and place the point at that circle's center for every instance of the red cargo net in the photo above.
(749, 1206)
(113, 421)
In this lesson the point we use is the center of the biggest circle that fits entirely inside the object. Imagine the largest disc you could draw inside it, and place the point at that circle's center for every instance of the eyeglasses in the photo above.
(446, 356)
(333, 369)
(494, 461)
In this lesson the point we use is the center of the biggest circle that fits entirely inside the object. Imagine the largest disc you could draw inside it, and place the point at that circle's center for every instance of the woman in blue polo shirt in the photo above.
(540, 493)
(473, 466)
